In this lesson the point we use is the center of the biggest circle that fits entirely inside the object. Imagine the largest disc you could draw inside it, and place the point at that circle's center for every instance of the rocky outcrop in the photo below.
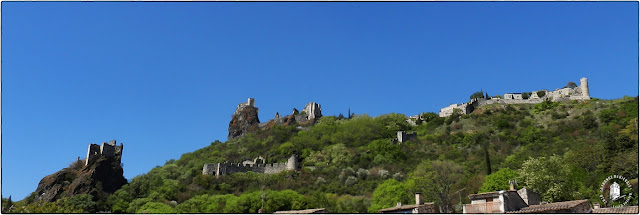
(99, 178)
(244, 120)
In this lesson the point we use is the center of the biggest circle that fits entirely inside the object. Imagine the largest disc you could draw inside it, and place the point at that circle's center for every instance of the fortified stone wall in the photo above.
(578, 93)
(219, 169)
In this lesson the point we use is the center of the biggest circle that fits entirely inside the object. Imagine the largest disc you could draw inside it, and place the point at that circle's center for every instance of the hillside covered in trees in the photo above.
(349, 165)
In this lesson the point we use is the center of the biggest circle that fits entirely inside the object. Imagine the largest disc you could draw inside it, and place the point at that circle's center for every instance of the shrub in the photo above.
(350, 181)
(362, 173)
(478, 94)
(545, 105)
(383, 173)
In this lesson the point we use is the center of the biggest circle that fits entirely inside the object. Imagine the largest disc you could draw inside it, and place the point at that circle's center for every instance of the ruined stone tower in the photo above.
(292, 162)
(584, 87)
(105, 150)
(313, 110)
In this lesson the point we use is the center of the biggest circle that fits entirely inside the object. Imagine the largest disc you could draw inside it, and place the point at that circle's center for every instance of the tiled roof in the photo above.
(403, 207)
(620, 210)
(307, 211)
(551, 207)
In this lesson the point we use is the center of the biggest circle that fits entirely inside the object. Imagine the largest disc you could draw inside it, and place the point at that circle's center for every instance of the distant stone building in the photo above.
(494, 202)
(105, 150)
(521, 201)
(578, 93)
(403, 136)
(257, 165)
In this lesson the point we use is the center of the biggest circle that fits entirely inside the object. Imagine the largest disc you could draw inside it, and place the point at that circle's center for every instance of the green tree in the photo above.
(80, 202)
(388, 194)
(383, 152)
(498, 180)
(428, 117)
(437, 179)
(541, 93)
(571, 85)
(156, 208)
(549, 176)
(475, 95)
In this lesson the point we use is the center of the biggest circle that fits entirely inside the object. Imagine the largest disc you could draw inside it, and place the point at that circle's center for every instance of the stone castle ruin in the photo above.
(257, 165)
(245, 118)
(580, 92)
(403, 136)
(105, 150)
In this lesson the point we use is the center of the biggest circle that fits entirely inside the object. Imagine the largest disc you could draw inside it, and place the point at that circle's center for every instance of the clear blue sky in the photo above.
(164, 78)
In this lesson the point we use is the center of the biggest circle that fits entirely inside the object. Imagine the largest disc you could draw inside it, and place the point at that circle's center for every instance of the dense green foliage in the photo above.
(561, 150)
(477, 95)
(498, 180)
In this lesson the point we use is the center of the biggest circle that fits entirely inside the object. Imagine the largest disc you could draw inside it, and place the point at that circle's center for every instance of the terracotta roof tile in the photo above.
(620, 210)
(307, 211)
(404, 207)
(550, 207)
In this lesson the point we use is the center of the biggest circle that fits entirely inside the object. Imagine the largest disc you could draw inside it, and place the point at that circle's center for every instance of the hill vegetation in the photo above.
(561, 150)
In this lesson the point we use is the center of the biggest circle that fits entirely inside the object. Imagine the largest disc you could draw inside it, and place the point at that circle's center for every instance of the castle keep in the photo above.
(105, 150)
(577, 93)
(257, 165)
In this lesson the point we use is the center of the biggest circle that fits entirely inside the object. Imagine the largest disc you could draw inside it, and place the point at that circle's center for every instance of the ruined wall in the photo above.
(104, 150)
(579, 93)
(92, 153)
(253, 166)
(107, 150)
(313, 110)
(403, 136)
(210, 168)
(508, 96)
(447, 111)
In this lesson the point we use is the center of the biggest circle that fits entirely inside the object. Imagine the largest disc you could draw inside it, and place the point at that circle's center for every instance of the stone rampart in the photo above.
(577, 93)
(219, 169)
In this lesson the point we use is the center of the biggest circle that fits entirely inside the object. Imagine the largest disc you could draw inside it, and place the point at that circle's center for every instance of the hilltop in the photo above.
(353, 164)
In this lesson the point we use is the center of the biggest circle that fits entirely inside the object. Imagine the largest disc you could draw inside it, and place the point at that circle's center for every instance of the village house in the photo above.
(524, 201)
(419, 208)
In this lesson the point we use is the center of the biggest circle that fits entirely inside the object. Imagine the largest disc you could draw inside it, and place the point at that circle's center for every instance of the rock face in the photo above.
(244, 120)
(100, 177)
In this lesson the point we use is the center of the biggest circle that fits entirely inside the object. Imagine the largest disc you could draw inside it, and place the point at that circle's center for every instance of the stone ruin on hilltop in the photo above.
(245, 119)
(105, 150)
(578, 93)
